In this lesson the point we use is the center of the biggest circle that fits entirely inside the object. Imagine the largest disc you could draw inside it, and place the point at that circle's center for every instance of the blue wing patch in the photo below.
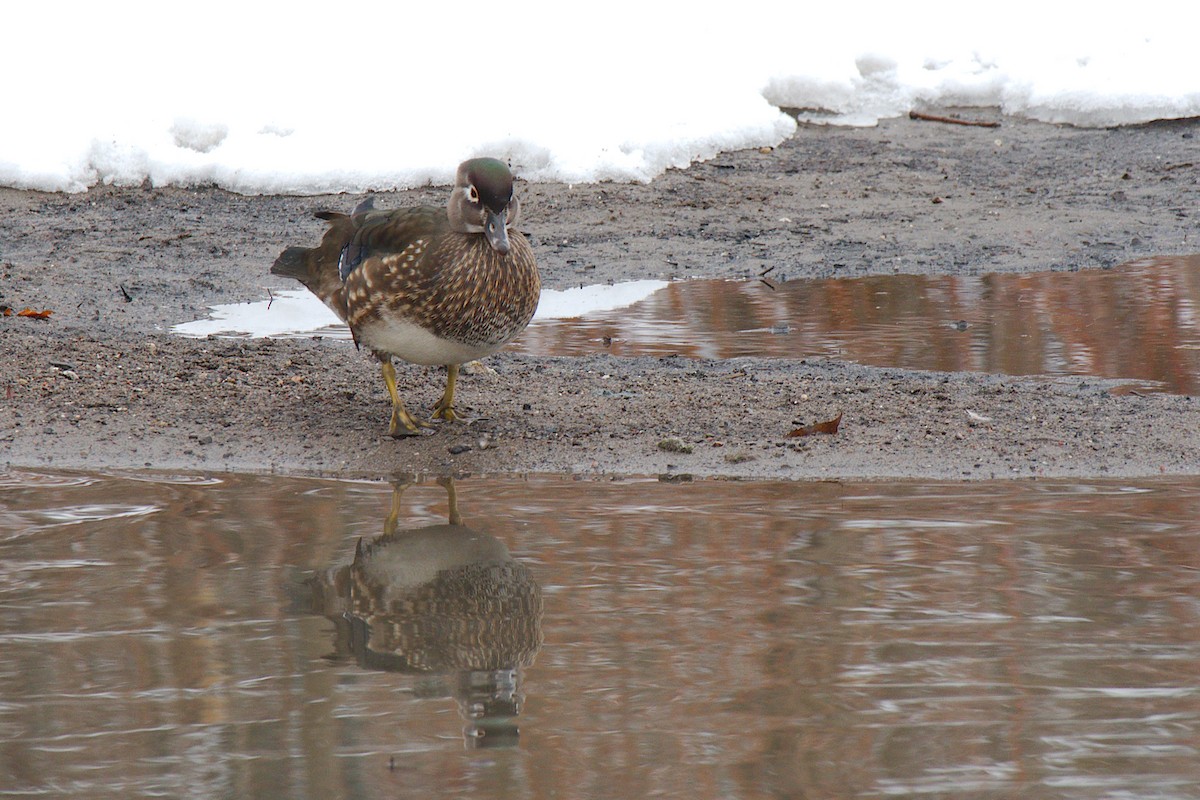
(352, 255)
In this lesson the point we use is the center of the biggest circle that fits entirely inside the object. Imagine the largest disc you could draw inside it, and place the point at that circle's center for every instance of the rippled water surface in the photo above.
(243, 636)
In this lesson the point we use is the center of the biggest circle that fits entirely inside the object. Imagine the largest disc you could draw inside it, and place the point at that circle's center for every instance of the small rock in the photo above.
(476, 368)
(674, 444)
(457, 449)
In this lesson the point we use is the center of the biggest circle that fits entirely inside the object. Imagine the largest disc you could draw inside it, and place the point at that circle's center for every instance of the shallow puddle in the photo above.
(219, 637)
(1139, 321)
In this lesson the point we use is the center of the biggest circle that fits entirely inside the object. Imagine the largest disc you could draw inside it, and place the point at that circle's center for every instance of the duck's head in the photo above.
(483, 201)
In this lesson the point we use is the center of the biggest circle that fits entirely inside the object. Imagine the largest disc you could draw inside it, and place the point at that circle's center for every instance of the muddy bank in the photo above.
(102, 384)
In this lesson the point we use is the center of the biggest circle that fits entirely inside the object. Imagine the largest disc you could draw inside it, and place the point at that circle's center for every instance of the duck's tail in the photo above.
(317, 267)
(293, 263)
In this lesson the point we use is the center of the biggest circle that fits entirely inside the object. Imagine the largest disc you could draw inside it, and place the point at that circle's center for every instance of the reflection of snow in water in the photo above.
(294, 312)
(297, 312)
(1136, 321)
(581, 300)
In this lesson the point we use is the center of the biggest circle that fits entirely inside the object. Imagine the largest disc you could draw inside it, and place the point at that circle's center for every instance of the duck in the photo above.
(430, 286)
(447, 602)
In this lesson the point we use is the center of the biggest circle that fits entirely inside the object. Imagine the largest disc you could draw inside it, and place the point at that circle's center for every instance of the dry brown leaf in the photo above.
(29, 312)
(828, 426)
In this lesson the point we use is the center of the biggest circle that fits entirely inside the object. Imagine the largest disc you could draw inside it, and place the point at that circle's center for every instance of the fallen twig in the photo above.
(952, 120)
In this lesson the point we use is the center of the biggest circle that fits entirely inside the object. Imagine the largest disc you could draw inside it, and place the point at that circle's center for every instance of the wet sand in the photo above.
(103, 384)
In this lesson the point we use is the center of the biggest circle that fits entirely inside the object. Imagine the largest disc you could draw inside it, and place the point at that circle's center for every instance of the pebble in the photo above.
(674, 444)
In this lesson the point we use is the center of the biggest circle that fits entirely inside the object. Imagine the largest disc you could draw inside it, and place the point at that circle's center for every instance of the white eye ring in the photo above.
(472, 194)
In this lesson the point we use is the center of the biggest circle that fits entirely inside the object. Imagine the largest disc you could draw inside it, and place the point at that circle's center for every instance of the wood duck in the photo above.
(427, 285)
(442, 601)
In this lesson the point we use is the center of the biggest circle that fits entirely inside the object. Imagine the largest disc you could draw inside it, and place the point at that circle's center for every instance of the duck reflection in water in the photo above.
(443, 601)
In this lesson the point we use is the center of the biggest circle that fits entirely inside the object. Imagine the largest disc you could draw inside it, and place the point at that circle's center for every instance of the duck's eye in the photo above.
(472, 194)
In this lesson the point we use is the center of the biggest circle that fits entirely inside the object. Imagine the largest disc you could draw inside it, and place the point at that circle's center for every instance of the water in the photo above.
(1139, 321)
(298, 312)
(212, 637)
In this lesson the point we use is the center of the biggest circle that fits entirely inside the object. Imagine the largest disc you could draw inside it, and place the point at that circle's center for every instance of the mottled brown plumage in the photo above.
(439, 600)
(427, 285)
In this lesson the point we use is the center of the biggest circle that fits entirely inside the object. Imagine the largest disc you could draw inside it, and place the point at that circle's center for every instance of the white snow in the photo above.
(297, 97)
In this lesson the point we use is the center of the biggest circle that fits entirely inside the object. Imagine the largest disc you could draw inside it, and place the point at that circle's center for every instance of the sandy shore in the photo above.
(103, 384)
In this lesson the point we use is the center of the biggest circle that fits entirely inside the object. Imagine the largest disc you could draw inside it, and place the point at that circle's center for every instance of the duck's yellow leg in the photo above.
(403, 423)
(393, 517)
(451, 499)
(445, 407)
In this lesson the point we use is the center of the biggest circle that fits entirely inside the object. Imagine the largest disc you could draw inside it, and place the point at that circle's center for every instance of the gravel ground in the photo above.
(102, 384)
